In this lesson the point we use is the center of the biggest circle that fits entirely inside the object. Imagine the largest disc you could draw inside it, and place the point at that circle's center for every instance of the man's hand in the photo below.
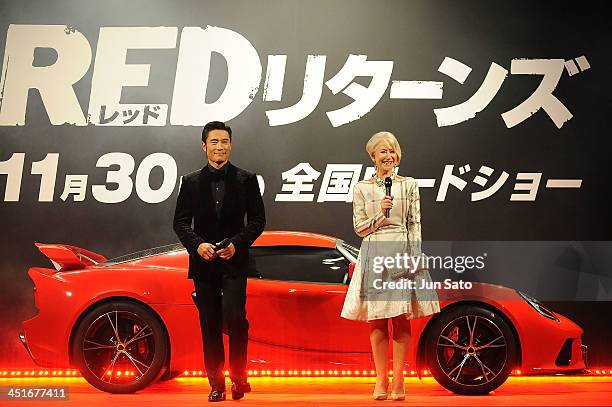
(228, 252)
(206, 251)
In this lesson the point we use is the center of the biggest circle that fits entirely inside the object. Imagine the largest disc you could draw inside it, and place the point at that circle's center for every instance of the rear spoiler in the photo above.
(65, 257)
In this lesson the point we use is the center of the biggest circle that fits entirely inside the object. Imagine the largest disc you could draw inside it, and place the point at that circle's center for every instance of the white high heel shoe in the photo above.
(399, 396)
(380, 396)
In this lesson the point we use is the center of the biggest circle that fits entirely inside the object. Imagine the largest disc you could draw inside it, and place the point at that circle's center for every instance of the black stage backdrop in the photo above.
(93, 88)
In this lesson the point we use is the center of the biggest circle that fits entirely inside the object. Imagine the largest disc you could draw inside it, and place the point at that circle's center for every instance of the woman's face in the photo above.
(384, 156)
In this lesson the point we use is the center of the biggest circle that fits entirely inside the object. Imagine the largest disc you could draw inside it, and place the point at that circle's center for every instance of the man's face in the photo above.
(218, 146)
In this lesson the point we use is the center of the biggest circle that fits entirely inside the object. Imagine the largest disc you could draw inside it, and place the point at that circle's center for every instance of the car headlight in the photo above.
(537, 305)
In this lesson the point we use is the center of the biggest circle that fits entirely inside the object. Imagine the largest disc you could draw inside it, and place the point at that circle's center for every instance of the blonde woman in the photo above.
(399, 232)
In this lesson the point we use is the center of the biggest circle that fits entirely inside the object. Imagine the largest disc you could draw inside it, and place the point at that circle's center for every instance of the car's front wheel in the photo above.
(120, 347)
(470, 350)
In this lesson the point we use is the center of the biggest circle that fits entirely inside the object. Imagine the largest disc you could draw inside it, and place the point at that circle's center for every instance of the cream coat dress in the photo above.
(382, 236)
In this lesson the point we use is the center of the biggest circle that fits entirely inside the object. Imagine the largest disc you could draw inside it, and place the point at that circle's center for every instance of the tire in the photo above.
(139, 346)
(170, 374)
(470, 366)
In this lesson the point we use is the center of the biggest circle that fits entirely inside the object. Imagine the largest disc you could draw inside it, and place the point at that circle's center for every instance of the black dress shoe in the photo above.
(239, 387)
(216, 395)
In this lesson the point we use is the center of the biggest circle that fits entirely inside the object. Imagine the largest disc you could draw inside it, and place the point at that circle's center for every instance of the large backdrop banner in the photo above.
(502, 110)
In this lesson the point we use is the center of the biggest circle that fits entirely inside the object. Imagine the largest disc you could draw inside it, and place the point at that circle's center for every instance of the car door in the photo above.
(295, 296)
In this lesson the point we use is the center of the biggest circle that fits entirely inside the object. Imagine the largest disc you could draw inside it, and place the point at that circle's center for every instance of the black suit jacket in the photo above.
(195, 202)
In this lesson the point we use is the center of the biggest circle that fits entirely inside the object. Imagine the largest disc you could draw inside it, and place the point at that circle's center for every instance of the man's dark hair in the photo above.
(215, 126)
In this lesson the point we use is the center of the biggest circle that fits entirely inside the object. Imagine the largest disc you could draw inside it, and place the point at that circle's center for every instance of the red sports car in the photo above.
(136, 313)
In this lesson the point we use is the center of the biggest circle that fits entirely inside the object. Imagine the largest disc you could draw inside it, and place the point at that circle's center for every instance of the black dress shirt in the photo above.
(218, 185)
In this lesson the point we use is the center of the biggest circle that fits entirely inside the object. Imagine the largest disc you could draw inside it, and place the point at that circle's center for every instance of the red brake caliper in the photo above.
(141, 344)
(454, 335)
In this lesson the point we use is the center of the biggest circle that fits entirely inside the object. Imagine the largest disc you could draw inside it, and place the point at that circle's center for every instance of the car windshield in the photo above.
(348, 251)
(143, 253)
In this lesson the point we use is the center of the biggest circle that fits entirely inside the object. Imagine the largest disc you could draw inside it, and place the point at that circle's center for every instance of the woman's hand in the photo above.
(386, 203)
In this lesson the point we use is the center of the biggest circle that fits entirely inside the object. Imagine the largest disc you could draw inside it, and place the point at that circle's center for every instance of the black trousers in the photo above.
(221, 301)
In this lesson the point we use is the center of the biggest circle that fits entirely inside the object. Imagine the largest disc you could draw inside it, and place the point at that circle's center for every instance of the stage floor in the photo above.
(334, 391)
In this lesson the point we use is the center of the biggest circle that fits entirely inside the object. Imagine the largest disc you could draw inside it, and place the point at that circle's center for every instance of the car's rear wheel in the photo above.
(120, 347)
(470, 350)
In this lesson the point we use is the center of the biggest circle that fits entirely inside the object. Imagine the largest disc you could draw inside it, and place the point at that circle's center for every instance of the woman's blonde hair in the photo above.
(386, 136)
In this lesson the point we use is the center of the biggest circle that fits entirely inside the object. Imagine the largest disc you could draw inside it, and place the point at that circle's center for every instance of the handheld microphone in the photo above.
(222, 244)
(388, 183)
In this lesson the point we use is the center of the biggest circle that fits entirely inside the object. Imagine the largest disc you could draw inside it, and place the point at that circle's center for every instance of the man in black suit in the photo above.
(216, 198)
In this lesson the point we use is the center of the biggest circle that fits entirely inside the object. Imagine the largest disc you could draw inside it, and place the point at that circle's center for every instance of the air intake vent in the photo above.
(565, 354)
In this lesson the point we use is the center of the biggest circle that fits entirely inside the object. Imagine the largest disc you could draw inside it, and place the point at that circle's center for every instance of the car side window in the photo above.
(298, 263)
